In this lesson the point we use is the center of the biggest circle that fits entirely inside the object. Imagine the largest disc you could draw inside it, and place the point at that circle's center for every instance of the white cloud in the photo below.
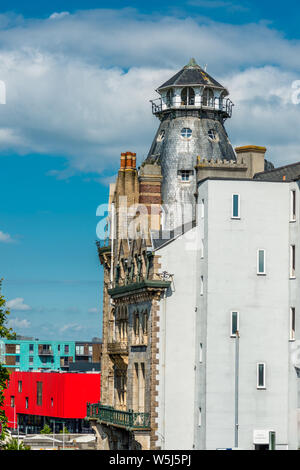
(218, 4)
(60, 15)
(71, 327)
(17, 304)
(89, 99)
(16, 323)
(5, 237)
(93, 310)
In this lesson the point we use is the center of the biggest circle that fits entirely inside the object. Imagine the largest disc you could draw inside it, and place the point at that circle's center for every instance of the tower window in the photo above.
(212, 134)
(161, 136)
(186, 133)
(208, 97)
(169, 98)
(187, 97)
(185, 175)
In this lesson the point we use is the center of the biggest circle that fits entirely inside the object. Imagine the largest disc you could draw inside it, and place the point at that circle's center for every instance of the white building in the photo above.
(219, 256)
(237, 269)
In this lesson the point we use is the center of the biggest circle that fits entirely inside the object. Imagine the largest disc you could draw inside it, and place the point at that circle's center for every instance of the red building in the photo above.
(58, 399)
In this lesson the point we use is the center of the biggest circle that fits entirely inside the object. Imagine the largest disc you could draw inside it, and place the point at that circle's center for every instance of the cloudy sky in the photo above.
(78, 78)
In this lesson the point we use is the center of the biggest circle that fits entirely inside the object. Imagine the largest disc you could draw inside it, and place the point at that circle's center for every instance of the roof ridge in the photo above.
(278, 168)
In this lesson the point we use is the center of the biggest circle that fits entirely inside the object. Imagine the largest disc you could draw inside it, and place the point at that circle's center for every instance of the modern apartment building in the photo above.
(35, 399)
(34, 355)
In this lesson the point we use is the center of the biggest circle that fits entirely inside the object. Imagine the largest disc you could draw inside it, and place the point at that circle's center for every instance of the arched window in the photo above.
(222, 103)
(169, 100)
(208, 97)
(212, 134)
(136, 327)
(187, 97)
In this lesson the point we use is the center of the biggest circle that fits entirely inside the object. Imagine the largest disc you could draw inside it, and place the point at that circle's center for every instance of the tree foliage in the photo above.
(13, 444)
(64, 430)
(7, 333)
(46, 430)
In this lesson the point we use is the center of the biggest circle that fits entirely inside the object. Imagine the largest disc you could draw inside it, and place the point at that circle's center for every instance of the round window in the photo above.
(212, 134)
(186, 132)
(161, 136)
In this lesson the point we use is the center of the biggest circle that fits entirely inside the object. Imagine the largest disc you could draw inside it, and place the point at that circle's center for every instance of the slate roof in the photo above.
(191, 74)
(164, 237)
(283, 173)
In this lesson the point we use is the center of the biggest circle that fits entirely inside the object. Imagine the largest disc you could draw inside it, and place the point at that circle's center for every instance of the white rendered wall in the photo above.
(177, 346)
(232, 284)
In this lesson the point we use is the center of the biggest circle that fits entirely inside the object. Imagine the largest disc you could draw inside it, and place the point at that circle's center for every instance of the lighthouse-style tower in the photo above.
(192, 109)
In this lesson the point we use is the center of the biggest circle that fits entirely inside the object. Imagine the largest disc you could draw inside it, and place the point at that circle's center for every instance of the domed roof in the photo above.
(191, 74)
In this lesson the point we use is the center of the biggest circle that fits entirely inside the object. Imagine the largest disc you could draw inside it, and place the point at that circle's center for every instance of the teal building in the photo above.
(32, 354)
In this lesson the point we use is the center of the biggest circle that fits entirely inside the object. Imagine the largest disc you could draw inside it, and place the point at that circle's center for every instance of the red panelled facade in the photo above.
(52, 394)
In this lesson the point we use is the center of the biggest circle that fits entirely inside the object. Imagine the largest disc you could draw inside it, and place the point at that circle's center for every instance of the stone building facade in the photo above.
(151, 283)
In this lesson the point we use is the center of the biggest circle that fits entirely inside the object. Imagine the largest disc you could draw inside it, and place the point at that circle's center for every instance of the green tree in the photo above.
(12, 444)
(4, 374)
(46, 430)
(64, 430)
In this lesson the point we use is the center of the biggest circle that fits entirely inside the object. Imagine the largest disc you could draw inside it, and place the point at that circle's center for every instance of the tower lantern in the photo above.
(192, 88)
(192, 109)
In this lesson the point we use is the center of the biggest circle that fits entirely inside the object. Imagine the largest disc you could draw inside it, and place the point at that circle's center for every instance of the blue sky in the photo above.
(79, 76)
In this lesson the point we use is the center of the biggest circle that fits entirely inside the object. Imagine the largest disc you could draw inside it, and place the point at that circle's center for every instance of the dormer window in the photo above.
(187, 97)
(186, 133)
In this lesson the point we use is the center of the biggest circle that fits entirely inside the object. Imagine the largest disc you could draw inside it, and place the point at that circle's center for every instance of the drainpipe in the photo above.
(112, 242)
(163, 370)
(236, 421)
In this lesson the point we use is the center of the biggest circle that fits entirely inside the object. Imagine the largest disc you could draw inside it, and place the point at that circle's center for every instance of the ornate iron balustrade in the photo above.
(118, 347)
(124, 419)
(224, 105)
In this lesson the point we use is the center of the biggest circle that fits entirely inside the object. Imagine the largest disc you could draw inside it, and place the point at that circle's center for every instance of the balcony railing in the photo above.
(223, 105)
(117, 347)
(45, 352)
(124, 419)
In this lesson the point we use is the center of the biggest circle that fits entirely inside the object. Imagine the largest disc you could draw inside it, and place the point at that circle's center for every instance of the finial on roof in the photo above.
(192, 63)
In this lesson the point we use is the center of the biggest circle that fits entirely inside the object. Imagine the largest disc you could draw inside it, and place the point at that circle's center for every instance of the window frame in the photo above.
(199, 416)
(185, 176)
(201, 353)
(233, 335)
(202, 210)
(39, 393)
(292, 261)
(186, 133)
(292, 335)
(201, 285)
(258, 272)
(261, 387)
(293, 206)
(212, 135)
(202, 248)
(236, 217)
